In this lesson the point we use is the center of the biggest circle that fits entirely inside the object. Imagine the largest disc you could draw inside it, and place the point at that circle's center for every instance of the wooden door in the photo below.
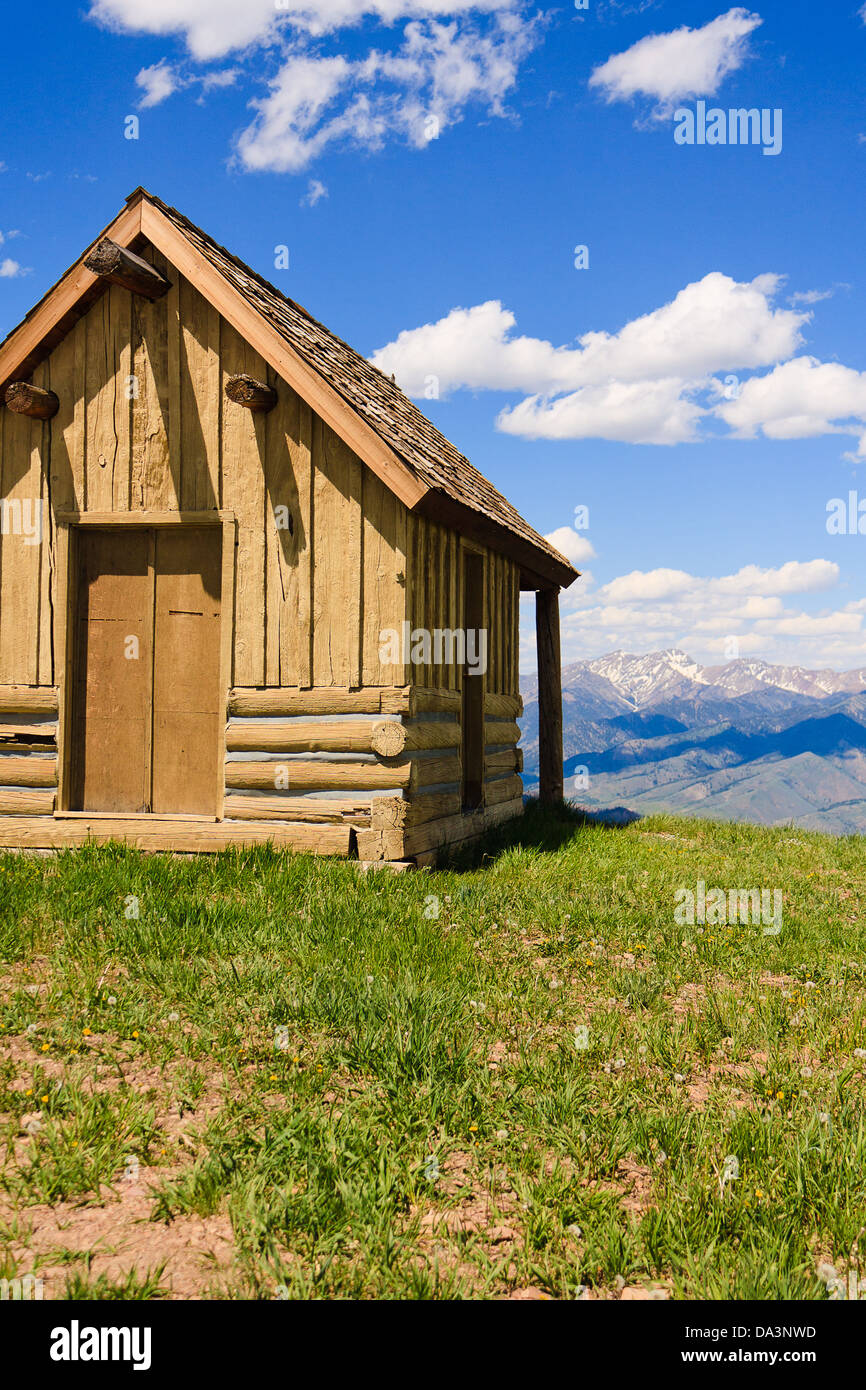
(188, 714)
(113, 672)
(146, 724)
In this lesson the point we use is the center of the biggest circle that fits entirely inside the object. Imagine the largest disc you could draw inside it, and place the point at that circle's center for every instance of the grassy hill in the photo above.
(516, 1078)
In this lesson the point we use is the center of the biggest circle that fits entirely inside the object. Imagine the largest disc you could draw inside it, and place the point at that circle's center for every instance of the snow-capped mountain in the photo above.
(740, 677)
(643, 680)
(745, 741)
(656, 677)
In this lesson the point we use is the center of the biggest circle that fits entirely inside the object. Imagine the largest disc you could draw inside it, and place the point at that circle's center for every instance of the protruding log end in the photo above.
(253, 395)
(388, 738)
(35, 401)
(122, 267)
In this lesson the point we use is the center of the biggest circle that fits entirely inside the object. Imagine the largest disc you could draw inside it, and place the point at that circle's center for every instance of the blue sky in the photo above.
(712, 268)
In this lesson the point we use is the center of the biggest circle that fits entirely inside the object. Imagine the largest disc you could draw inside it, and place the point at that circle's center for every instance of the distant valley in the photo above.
(743, 741)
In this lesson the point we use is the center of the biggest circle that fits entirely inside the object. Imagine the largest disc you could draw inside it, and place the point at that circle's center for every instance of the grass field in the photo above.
(259, 1076)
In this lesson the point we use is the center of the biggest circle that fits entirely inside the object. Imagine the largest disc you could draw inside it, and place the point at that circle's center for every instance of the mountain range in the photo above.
(742, 741)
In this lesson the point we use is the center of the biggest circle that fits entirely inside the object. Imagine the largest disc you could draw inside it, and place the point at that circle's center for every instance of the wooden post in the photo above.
(26, 399)
(254, 395)
(122, 267)
(549, 696)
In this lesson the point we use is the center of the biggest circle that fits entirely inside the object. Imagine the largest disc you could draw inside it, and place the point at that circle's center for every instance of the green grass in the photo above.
(382, 1084)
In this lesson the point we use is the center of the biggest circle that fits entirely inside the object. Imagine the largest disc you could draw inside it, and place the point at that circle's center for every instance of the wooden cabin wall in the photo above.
(434, 814)
(144, 425)
(436, 601)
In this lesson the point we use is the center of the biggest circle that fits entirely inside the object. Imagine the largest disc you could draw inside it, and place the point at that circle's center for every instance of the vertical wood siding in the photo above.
(144, 425)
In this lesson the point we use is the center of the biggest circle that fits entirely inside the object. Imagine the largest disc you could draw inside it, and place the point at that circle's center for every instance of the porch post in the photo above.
(549, 695)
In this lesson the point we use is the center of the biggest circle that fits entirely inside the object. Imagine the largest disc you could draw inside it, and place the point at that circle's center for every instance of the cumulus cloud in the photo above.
(649, 610)
(572, 545)
(675, 375)
(213, 28)
(157, 83)
(10, 270)
(799, 399)
(658, 380)
(633, 412)
(413, 92)
(670, 68)
(713, 325)
(450, 56)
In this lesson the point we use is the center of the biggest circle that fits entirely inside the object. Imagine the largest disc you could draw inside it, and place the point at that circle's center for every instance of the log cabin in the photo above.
(241, 575)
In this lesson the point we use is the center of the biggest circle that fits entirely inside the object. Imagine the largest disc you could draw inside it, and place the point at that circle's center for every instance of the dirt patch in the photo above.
(119, 1238)
(638, 1181)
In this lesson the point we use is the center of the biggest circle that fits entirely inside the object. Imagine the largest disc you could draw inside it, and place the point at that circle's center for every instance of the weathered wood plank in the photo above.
(200, 411)
(28, 699)
(342, 736)
(151, 477)
(274, 703)
(28, 772)
(175, 836)
(26, 802)
(68, 368)
(334, 811)
(283, 526)
(243, 471)
(336, 561)
(503, 706)
(20, 548)
(457, 829)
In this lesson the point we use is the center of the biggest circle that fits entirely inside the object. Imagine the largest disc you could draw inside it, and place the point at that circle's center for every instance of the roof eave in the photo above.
(540, 568)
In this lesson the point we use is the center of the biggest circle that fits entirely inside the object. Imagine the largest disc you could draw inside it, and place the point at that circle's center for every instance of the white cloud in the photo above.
(213, 28)
(684, 63)
(634, 412)
(10, 270)
(713, 325)
(809, 296)
(291, 126)
(157, 83)
(316, 191)
(642, 384)
(671, 376)
(223, 77)
(649, 610)
(572, 545)
(411, 93)
(451, 55)
(799, 399)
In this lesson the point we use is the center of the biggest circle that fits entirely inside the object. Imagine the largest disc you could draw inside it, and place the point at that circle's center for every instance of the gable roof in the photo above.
(377, 420)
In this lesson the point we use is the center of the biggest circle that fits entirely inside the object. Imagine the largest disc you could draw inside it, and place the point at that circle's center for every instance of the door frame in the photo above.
(69, 526)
